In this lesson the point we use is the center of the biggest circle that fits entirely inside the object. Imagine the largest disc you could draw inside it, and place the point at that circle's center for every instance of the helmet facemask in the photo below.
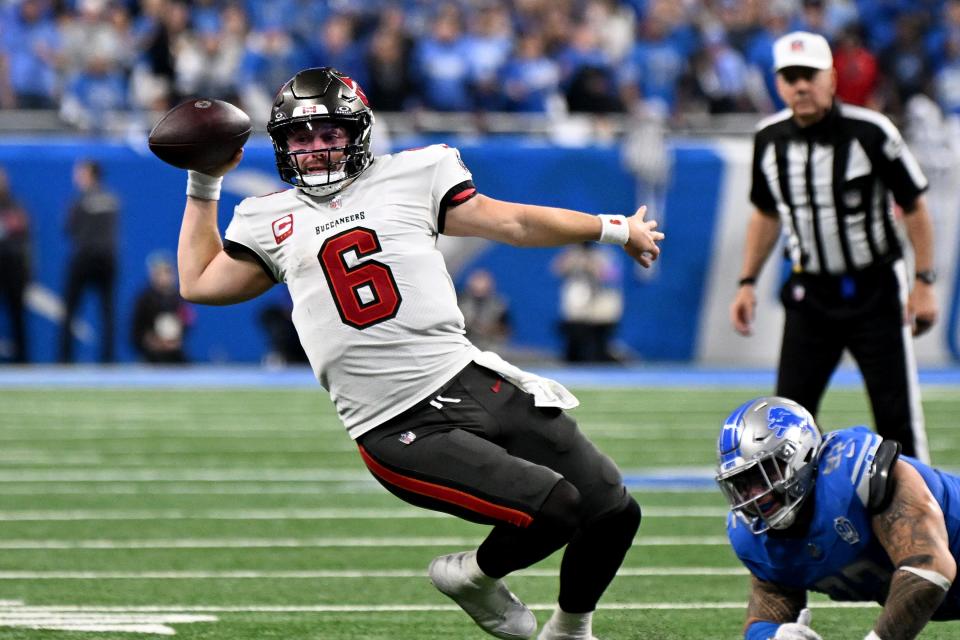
(767, 460)
(312, 166)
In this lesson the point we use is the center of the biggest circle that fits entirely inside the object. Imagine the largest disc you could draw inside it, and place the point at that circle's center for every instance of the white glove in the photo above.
(799, 630)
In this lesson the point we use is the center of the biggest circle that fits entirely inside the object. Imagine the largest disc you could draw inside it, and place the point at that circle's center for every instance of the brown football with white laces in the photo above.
(200, 134)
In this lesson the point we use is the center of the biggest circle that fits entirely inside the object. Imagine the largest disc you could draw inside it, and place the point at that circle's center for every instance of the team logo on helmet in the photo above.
(780, 419)
(353, 86)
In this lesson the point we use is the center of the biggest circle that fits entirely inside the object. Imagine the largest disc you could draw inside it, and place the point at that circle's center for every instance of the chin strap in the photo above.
(326, 189)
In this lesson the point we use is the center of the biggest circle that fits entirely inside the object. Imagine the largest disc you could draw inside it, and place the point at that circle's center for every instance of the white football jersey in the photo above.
(374, 306)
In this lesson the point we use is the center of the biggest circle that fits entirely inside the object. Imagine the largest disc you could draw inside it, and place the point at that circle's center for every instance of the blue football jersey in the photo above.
(839, 555)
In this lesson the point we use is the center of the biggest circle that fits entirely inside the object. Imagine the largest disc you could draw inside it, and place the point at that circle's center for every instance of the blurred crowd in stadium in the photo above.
(667, 57)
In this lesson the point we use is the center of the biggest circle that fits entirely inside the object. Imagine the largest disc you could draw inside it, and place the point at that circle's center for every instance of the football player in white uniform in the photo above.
(439, 423)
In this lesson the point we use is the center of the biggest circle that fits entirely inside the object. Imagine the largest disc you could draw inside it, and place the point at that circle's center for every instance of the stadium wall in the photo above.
(674, 312)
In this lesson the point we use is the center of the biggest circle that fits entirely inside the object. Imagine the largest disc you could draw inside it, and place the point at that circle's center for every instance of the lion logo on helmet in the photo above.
(781, 419)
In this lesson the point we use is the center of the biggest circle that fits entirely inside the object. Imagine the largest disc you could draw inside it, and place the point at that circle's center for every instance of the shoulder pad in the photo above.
(881, 484)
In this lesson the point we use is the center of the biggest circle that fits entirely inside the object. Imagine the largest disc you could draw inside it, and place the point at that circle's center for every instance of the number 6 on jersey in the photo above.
(346, 283)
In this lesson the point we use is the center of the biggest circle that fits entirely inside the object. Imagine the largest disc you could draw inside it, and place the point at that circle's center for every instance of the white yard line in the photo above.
(359, 487)
(137, 473)
(334, 574)
(140, 474)
(375, 608)
(19, 616)
(347, 513)
(302, 543)
(280, 487)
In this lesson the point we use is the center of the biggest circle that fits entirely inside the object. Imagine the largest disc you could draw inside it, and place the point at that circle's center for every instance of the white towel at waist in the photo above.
(545, 392)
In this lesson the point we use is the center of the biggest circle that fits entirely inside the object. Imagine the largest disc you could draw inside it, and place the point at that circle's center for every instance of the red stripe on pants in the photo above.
(446, 494)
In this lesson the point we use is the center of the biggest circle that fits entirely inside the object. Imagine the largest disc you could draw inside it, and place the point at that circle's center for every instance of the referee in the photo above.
(830, 173)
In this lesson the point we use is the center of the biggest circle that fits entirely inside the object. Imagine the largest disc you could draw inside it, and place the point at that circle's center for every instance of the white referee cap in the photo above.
(802, 49)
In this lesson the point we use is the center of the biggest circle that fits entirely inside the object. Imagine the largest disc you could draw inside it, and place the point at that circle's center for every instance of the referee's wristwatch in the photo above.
(928, 276)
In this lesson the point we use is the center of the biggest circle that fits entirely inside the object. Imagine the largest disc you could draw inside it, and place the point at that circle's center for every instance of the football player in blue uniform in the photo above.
(843, 514)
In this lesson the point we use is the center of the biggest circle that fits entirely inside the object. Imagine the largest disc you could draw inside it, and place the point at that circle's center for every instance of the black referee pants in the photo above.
(96, 271)
(863, 313)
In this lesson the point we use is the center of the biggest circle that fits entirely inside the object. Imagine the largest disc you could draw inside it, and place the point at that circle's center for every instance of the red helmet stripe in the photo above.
(353, 86)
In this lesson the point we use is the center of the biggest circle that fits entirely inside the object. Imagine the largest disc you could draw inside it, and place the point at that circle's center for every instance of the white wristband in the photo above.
(872, 636)
(202, 186)
(614, 229)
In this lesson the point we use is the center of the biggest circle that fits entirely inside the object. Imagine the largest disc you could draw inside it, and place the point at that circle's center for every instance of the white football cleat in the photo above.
(486, 600)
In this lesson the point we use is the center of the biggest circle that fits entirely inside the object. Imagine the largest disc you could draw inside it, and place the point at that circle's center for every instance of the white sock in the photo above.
(574, 625)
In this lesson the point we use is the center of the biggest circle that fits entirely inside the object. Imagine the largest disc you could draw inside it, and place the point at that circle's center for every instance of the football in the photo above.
(200, 134)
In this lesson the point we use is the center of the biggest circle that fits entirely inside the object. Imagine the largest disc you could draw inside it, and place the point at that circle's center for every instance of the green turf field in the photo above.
(243, 514)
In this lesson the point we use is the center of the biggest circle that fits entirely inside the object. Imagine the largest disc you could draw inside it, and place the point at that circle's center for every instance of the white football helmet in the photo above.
(766, 461)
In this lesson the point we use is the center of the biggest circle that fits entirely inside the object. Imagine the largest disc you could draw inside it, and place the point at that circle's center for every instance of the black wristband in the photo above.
(751, 280)
(928, 276)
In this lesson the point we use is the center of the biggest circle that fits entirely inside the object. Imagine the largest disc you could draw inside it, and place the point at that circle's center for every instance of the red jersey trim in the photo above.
(455, 196)
(463, 195)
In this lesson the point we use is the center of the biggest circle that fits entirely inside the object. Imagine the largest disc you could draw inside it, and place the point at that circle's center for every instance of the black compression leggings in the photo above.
(595, 550)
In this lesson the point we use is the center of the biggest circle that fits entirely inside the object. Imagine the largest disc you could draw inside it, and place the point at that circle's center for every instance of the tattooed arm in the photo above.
(914, 535)
(773, 602)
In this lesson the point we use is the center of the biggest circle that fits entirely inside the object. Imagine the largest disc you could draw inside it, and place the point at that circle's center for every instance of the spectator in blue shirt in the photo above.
(487, 47)
(530, 78)
(266, 65)
(879, 19)
(826, 18)
(275, 14)
(721, 74)
(938, 37)
(441, 65)
(587, 77)
(582, 50)
(904, 65)
(338, 48)
(653, 69)
(93, 93)
(759, 51)
(946, 82)
(31, 44)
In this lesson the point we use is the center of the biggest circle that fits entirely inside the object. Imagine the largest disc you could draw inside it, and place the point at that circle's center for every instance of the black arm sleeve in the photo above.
(457, 195)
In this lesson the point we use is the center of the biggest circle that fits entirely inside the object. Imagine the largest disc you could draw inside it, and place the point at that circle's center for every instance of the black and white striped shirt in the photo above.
(831, 185)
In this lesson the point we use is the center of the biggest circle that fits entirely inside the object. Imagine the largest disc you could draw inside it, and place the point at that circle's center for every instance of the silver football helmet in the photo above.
(309, 100)
(766, 459)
